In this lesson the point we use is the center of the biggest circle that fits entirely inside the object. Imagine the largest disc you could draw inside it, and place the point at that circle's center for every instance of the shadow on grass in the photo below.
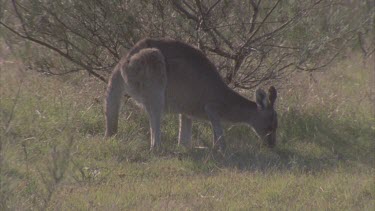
(306, 143)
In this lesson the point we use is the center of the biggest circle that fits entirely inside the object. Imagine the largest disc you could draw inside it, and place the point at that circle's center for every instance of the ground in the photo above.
(53, 155)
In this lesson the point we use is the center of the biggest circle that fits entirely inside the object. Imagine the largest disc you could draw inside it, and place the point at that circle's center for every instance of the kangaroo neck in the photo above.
(238, 109)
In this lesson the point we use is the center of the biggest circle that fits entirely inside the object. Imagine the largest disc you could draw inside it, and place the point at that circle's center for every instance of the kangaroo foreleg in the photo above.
(185, 131)
(218, 133)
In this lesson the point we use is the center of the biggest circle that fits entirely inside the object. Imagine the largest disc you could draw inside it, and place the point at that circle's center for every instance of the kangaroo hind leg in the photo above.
(145, 80)
(212, 111)
(154, 110)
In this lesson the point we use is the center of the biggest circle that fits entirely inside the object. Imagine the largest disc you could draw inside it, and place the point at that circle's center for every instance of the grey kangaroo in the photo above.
(164, 75)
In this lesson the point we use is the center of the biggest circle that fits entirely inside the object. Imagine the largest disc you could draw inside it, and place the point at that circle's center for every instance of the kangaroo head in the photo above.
(265, 124)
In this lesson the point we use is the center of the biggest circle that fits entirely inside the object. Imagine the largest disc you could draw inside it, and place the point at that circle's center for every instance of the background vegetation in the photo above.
(251, 41)
(52, 152)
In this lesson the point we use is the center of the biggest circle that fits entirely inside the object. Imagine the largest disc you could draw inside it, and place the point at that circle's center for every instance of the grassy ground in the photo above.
(53, 156)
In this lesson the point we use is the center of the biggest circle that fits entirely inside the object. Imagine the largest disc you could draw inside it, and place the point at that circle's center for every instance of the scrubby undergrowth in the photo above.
(53, 155)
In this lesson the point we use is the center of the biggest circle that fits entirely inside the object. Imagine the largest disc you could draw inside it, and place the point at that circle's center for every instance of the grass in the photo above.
(53, 155)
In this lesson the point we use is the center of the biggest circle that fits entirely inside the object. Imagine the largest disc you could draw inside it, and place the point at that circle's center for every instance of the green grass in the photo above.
(53, 155)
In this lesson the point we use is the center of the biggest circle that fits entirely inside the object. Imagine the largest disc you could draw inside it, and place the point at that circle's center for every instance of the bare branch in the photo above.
(213, 6)
(255, 7)
(219, 51)
(260, 25)
(65, 55)
(319, 67)
(185, 12)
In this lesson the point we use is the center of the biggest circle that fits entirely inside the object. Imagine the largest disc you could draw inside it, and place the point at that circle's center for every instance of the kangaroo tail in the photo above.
(115, 91)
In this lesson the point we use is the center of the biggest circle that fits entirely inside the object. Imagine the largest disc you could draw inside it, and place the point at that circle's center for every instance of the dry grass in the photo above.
(53, 155)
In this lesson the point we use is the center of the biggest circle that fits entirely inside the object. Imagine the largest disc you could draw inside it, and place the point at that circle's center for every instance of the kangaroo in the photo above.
(164, 75)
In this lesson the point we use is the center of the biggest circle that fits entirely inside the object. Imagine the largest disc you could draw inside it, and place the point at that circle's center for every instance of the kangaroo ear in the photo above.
(261, 98)
(272, 95)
